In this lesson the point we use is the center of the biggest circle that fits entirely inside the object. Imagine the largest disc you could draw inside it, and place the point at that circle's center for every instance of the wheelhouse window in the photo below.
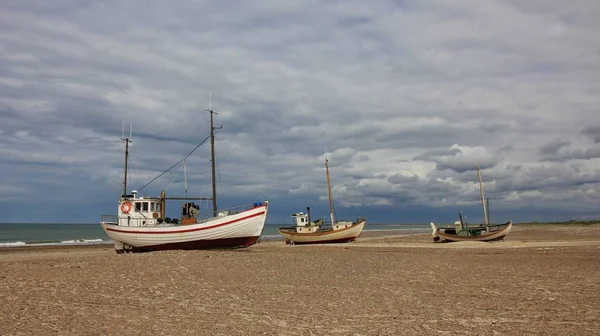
(152, 208)
(138, 206)
(145, 204)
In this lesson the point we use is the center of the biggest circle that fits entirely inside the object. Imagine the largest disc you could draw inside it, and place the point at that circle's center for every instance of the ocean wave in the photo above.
(64, 242)
(83, 241)
(271, 237)
(18, 243)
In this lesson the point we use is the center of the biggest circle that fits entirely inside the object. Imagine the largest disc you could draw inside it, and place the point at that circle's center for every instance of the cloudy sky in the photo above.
(405, 98)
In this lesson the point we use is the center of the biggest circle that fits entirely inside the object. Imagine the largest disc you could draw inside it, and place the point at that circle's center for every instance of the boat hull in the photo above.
(439, 234)
(232, 231)
(240, 242)
(323, 237)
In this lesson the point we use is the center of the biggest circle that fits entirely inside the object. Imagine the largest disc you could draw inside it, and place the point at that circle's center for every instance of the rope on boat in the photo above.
(173, 166)
(217, 168)
(167, 187)
(134, 170)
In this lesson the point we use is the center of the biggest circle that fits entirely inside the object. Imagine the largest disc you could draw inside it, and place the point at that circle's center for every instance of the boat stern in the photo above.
(434, 231)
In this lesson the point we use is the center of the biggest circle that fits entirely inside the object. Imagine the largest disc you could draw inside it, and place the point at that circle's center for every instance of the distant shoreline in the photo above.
(567, 223)
(21, 248)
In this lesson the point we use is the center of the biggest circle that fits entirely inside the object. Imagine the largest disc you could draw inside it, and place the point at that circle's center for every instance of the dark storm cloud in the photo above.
(593, 132)
(553, 147)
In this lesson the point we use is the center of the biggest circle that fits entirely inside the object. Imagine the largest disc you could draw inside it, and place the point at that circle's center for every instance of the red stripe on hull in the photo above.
(341, 240)
(187, 230)
(226, 243)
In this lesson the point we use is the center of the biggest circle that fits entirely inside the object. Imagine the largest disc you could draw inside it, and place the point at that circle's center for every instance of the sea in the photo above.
(42, 234)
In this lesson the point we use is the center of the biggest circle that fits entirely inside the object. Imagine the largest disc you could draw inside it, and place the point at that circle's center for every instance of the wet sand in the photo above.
(542, 280)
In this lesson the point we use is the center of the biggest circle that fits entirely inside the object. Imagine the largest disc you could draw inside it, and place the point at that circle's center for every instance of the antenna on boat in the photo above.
(127, 141)
(485, 212)
(331, 215)
(212, 154)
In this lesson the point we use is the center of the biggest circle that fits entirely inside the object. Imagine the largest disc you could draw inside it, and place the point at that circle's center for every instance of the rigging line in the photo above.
(333, 205)
(334, 213)
(217, 164)
(173, 177)
(263, 195)
(225, 148)
(161, 174)
(113, 188)
(358, 207)
(219, 176)
(135, 172)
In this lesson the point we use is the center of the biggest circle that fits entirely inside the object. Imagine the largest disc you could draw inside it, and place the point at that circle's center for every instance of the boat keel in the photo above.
(332, 241)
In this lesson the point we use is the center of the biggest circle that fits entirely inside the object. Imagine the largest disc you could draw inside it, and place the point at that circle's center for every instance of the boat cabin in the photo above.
(303, 223)
(139, 211)
(458, 226)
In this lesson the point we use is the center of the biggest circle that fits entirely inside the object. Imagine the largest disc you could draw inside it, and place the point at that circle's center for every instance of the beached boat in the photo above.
(307, 231)
(462, 231)
(141, 224)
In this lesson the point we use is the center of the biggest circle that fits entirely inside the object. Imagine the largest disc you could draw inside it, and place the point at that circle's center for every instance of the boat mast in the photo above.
(487, 206)
(185, 176)
(485, 214)
(212, 156)
(127, 141)
(329, 193)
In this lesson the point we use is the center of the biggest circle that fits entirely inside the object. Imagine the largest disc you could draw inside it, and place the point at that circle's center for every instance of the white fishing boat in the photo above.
(307, 231)
(462, 231)
(141, 224)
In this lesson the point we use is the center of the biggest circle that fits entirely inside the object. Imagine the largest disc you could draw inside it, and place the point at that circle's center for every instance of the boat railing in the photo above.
(358, 220)
(109, 219)
(497, 225)
(208, 216)
(227, 211)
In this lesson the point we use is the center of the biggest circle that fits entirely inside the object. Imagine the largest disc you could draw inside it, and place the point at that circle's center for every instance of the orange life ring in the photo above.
(126, 207)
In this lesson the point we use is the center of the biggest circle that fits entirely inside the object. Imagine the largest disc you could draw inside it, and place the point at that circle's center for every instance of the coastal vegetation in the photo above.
(593, 222)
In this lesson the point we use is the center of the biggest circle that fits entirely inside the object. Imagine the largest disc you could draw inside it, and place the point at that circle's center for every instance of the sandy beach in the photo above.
(542, 280)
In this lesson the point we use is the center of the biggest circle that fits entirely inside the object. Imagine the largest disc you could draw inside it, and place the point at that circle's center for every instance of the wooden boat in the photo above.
(141, 225)
(314, 232)
(462, 231)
